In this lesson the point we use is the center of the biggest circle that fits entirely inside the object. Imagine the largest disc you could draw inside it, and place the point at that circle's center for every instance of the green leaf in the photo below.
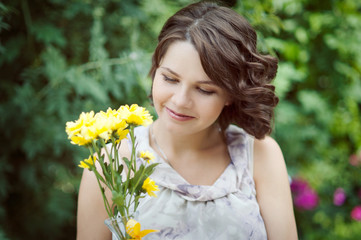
(118, 198)
(48, 34)
(127, 162)
(120, 169)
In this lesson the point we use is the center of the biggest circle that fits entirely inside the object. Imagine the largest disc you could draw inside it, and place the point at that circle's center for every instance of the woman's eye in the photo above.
(206, 92)
(168, 79)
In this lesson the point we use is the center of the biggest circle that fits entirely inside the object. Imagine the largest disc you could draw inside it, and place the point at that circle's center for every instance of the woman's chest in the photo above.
(202, 168)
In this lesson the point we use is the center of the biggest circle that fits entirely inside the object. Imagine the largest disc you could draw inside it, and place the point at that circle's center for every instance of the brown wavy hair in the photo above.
(226, 44)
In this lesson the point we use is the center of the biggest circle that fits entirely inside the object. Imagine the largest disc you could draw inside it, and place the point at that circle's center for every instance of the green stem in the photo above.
(98, 176)
(114, 150)
(131, 133)
(95, 170)
(132, 167)
(105, 200)
(111, 160)
(101, 162)
(133, 190)
(133, 155)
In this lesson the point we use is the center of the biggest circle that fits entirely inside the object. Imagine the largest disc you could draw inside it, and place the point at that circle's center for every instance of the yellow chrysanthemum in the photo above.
(114, 120)
(103, 126)
(147, 156)
(150, 186)
(85, 120)
(111, 112)
(87, 162)
(110, 122)
(133, 229)
(81, 131)
(135, 115)
(122, 133)
(80, 140)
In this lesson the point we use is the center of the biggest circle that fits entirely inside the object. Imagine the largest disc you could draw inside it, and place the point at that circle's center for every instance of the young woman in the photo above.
(220, 175)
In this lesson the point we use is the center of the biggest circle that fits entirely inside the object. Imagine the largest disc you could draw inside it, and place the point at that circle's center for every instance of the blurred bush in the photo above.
(59, 58)
(318, 122)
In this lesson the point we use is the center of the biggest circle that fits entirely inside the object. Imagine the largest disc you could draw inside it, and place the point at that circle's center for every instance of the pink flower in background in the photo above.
(355, 159)
(298, 185)
(356, 213)
(339, 196)
(304, 196)
(307, 199)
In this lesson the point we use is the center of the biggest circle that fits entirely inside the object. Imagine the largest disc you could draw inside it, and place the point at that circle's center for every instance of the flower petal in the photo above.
(147, 231)
(133, 228)
(150, 186)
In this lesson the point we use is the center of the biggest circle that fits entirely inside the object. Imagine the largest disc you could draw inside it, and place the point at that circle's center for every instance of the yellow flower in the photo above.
(135, 115)
(133, 229)
(150, 186)
(85, 120)
(147, 156)
(115, 121)
(108, 123)
(80, 140)
(111, 112)
(81, 131)
(87, 162)
(122, 133)
(102, 126)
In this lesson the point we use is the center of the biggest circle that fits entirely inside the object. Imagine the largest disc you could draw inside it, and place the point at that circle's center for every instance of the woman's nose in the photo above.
(181, 98)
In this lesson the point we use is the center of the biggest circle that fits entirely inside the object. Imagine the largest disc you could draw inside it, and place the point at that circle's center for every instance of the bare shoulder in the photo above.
(273, 190)
(268, 159)
(268, 145)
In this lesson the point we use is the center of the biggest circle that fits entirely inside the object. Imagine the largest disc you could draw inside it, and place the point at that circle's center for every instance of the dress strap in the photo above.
(250, 154)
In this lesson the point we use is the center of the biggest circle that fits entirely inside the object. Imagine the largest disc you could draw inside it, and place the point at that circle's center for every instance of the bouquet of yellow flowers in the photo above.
(102, 133)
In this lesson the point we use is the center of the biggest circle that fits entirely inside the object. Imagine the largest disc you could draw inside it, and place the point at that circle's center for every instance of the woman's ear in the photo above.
(227, 103)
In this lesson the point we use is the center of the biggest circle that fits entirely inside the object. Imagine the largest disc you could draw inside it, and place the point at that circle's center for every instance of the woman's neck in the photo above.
(173, 144)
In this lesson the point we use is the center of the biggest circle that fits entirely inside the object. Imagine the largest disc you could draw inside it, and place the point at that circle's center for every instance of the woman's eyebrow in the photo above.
(178, 76)
(171, 71)
(206, 82)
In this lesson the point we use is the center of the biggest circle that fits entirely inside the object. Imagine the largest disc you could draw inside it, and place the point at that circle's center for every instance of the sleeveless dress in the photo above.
(226, 210)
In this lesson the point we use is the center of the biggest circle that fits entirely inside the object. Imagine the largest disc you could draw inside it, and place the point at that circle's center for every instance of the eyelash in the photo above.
(168, 79)
(173, 81)
(205, 92)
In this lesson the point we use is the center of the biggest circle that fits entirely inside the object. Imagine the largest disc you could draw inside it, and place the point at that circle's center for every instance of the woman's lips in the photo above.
(178, 116)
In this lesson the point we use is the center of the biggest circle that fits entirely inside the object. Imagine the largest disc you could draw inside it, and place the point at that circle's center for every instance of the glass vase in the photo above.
(116, 226)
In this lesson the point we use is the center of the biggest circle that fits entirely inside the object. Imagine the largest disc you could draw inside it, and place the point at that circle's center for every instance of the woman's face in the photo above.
(185, 99)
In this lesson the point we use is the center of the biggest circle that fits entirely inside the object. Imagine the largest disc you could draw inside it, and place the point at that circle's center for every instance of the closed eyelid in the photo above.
(199, 84)
(168, 77)
(209, 86)
(206, 90)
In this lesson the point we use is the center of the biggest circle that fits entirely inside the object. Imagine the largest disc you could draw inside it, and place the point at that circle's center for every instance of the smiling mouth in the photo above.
(178, 116)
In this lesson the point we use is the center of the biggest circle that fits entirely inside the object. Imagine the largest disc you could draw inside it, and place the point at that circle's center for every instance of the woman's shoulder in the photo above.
(273, 189)
(268, 160)
(266, 146)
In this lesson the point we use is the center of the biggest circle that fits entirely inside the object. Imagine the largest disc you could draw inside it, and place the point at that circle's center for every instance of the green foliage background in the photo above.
(59, 58)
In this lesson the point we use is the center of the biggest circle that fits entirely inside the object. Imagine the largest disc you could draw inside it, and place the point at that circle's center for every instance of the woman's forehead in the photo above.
(182, 59)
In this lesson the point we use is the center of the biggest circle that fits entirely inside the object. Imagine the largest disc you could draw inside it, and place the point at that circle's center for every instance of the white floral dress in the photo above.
(226, 210)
